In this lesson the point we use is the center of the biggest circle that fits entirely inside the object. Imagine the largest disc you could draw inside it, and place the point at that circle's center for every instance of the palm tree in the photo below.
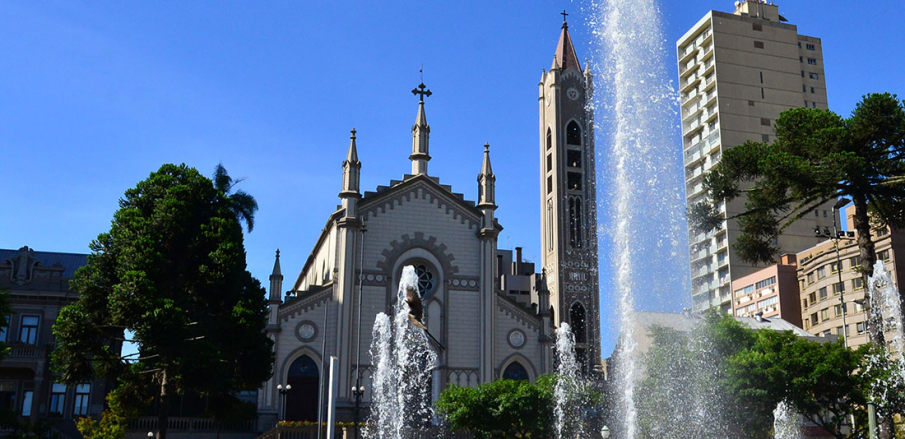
(241, 203)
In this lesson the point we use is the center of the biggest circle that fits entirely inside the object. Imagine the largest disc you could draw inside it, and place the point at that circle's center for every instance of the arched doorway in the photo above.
(515, 371)
(301, 402)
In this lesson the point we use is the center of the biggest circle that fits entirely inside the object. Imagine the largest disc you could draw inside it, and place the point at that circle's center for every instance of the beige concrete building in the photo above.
(737, 73)
(822, 293)
(772, 292)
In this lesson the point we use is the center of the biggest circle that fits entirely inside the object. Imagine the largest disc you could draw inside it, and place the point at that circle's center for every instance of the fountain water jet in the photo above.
(886, 314)
(648, 205)
(403, 362)
(570, 392)
(786, 422)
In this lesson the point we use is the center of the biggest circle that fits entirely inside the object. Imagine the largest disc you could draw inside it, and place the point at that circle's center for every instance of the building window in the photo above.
(27, 397)
(4, 330)
(800, 58)
(834, 267)
(750, 103)
(765, 121)
(881, 232)
(810, 278)
(549, 139)
(804, 88)
(573, 158)
(762, 95)
(837, 311)
(860, 327)
(28, 330)
(573, 181)
(549, 162)
(883, 255)
(812, 61)
(425, 279)
(82, 392)
(802, 73)
(550, 225)
(812, 90)
(765, 138)
(821, 272)
(854, 262)
(811, 75)
(814, 320)
(838, 288)
(822, 293)
(804, 303)
(757, 27)
(824, 214)
(857, 284)
(809, 46)
(813, 105)
(573, 134)
(575, 222)
(515, 371)
(579, 324)
(57, 398)
(549, 184)
(758, 44)
(824, 314)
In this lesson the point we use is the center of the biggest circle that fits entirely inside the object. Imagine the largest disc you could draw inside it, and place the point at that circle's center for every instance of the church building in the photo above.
(492, 312)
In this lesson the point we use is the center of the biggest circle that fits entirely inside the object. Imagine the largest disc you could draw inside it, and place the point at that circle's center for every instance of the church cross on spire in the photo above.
(422, 91)
(564, 15)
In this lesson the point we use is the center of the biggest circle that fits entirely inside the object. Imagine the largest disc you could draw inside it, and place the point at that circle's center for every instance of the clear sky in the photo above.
(95, 95)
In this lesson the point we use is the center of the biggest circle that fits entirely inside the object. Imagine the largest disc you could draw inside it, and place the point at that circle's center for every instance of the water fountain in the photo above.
(571, 390)
(403, 362)
(886, 314)
(648, 205)
(786, 422)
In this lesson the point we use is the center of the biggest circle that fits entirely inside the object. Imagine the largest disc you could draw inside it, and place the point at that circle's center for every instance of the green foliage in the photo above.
(684, 392)
(114, 420)
(170, 272)
(817, 157)
(241, 203)
(500, 409)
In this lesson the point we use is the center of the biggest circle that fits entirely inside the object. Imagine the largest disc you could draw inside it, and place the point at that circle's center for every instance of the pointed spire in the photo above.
(486, 182)
(420, 134)
(276, 267)
(485, 167)
(565, 57)
(352, 156)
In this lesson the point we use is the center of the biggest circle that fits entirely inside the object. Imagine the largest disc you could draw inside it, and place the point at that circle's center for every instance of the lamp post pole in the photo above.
(842, 202)
(357, 390)
(283, 392)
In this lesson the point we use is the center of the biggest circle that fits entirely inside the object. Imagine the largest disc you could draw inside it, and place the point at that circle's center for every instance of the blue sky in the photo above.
(96, 95)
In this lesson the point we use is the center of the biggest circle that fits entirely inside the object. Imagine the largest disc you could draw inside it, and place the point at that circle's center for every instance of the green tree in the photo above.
(241, 203)
(825, 382)
(816, 158)
(170, 272)
(500, 409)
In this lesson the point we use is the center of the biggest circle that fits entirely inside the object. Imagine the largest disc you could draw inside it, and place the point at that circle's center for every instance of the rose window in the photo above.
(425, 279)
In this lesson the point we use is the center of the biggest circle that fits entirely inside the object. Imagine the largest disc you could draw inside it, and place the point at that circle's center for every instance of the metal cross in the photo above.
(422, 91)
(564, 14)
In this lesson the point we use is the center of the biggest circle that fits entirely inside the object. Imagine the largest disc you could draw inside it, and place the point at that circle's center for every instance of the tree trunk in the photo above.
(868, 259)
(164, 408)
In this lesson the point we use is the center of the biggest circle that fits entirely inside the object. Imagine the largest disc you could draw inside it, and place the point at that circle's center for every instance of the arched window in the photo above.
(573, 134)
(515, 371)
(579, 323)
(575, 222)
(549, 139)
(425, 279)
(550, 225)
(301, 401)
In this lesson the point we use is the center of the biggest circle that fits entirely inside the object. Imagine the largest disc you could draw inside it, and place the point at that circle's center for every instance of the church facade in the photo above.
(493, 313)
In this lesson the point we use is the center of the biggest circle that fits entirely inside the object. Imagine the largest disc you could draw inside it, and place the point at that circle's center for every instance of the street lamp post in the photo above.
(283, 392)
(358, 390)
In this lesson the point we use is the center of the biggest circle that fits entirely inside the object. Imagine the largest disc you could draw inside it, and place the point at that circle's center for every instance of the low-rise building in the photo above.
(831, 286)
(772, 291)
(38, 286)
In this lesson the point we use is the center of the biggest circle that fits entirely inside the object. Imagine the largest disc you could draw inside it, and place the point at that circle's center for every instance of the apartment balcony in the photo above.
(692, 82)
(697, 172)
(695, 190)
(694, 155)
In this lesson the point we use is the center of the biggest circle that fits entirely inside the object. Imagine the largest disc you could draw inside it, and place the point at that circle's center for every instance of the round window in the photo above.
(425, 279)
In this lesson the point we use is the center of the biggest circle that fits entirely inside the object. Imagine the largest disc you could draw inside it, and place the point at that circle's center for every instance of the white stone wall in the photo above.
(321, 271)
(506, 321)
(463, 350)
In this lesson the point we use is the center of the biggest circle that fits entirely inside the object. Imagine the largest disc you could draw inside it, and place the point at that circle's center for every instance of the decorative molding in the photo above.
(515, 334)
(520, 315)
(298, 306)
(399, 246)
(419, 189)
(374, 278)
(467, 283)
(298, 334)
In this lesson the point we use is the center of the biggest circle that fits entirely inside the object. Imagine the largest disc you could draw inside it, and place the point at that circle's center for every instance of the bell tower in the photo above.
(569, 196)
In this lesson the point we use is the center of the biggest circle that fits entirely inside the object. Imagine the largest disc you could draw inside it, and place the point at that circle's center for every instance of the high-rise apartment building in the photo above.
(737, 73)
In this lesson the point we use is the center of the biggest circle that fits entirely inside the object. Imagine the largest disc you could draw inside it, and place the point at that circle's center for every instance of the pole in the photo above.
(358, 390)
(841, 285)
(872, 420)
(331, 402)
(320, 397)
